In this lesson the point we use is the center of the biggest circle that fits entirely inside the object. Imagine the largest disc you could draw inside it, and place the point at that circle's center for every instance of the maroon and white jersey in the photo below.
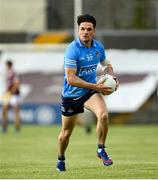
(11, 79)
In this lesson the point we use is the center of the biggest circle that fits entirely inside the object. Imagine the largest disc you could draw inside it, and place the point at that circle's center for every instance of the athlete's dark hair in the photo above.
(9, 63)
(86, 18)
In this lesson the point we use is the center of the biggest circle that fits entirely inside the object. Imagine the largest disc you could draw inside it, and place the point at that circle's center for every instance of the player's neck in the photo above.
(87, 44)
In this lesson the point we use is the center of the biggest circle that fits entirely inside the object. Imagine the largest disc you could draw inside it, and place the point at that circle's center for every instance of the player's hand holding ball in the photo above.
(109, 82)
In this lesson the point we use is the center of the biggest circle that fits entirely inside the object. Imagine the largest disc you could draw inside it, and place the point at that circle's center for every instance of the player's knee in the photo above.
(67, 134)
(64, 135)
(103, 118)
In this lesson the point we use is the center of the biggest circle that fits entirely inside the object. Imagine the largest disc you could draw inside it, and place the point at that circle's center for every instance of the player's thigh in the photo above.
(68, 122)
(96, 104)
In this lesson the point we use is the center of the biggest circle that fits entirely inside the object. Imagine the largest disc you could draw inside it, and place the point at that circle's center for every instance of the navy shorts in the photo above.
(72, 106)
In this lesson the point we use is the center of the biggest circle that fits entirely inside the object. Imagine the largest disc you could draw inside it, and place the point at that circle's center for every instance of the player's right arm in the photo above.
(74, 80)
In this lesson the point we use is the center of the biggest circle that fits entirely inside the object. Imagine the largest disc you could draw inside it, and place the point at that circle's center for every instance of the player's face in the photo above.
(86, 32)
(8, 67)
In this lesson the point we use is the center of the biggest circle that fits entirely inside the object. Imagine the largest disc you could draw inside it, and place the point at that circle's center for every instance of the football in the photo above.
(108, 81)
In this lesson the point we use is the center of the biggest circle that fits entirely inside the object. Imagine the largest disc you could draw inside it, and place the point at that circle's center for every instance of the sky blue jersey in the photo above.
(85, 60)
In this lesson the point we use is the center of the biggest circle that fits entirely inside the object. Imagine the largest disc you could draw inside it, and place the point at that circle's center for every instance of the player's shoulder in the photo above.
(98, 43)
(72, 44)
(72, 47)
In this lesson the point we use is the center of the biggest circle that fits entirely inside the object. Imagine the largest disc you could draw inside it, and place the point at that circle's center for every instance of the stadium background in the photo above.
(38, 33)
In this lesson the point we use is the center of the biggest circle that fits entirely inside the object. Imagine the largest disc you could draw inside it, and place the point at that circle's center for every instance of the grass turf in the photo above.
(32, 153)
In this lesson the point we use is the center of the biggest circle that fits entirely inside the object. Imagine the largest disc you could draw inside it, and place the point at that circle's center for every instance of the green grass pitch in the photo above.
(32, 153)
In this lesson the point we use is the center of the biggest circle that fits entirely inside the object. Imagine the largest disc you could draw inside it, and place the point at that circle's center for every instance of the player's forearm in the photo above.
(78, 82)
(108, 70)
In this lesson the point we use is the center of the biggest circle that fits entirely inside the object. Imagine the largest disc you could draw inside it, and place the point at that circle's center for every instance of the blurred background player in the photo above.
(81, 89)
(11, 97)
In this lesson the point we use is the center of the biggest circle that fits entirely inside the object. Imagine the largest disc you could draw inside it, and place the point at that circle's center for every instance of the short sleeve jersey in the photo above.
(85, 60)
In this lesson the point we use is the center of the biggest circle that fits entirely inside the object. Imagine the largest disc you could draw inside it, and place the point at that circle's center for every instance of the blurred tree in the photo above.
(140, 14)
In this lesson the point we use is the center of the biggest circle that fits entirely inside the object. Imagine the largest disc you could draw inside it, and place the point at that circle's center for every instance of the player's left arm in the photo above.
(107, 68)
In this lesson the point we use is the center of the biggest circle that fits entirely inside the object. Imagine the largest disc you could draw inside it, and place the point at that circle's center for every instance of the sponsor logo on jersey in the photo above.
(85, 70)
